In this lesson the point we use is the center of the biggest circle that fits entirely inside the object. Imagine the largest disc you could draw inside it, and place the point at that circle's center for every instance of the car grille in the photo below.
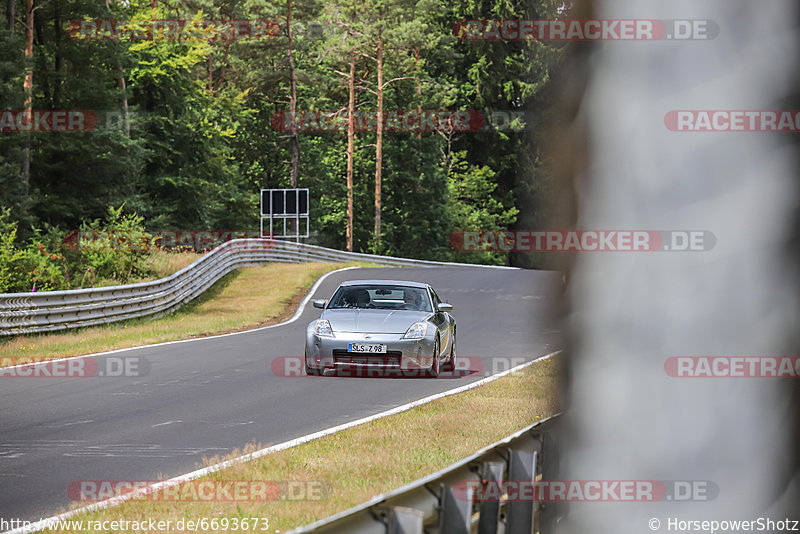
(390, 358)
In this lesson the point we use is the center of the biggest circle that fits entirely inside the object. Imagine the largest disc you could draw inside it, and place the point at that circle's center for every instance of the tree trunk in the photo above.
(351, 127)
(221, 78)
(29, 55)
(10, 13)
(124, 89)
(419, 88)
(295, 170)
(28, 85)
(57, 64)
(379, 146)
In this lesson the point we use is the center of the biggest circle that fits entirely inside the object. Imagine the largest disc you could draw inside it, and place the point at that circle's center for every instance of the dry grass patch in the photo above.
(361, 462)
(167, 263)
(246, 298)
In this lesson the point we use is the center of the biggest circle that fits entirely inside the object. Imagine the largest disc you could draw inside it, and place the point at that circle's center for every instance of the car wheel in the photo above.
(433, 372)
(450, 365)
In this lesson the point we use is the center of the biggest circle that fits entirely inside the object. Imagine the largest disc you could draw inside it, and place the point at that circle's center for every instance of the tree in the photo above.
(198, 143)
(396, 27)
(347, 44)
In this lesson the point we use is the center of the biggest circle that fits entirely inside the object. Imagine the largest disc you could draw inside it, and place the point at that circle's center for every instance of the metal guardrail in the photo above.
(45, 311)
(443, 504)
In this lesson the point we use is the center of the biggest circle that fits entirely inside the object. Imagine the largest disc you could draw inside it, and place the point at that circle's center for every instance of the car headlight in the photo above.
(323, 328)
(416, 331)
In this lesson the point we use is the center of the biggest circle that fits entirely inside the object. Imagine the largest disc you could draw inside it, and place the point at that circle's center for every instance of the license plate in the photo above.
(366, 347)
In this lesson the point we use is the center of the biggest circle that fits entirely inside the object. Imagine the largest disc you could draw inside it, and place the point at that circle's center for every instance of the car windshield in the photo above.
(381, 297)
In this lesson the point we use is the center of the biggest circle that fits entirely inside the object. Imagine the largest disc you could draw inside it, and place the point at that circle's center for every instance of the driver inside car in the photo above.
(412, 300)
(362, 299)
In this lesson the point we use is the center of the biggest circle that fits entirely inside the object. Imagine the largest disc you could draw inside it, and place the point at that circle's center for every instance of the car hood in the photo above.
(373, 321)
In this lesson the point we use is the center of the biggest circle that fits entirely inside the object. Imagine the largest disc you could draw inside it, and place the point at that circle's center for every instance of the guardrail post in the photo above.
(491, 473)
(549, 512)
(404, 520)
(519, 512)
(456, 513)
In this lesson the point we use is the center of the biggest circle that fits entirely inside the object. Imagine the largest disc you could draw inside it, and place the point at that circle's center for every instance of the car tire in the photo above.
(450, 365)
(433, 372)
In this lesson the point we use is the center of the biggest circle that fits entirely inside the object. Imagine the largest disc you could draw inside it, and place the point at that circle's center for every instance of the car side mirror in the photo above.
(320, 303)
(445, 307)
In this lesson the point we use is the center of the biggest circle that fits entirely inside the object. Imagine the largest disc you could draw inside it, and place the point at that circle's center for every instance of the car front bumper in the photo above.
(331, 352)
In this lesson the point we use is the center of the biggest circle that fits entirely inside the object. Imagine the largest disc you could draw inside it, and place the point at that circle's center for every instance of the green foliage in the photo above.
(39, 266)
(10, 256)
(118, 250)
(470, 190)
(473, 205)
(200, 143)
(44, 268)
(115, 250)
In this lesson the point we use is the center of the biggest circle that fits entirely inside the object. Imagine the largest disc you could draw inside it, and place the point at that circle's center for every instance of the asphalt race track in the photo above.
(208, 396)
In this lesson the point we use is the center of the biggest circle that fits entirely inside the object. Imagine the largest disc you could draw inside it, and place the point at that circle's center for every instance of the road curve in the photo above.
(209, 396)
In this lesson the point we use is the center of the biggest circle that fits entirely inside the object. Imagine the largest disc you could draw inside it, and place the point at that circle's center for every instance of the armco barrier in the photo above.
(439, 503)
(44, 311)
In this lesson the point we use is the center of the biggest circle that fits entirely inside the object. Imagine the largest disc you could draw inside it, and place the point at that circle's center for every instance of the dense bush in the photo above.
(115, 250)
(10, 257)
(119, 248)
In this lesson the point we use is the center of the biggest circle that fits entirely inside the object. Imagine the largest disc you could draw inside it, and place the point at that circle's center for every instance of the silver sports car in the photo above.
(383, 324)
